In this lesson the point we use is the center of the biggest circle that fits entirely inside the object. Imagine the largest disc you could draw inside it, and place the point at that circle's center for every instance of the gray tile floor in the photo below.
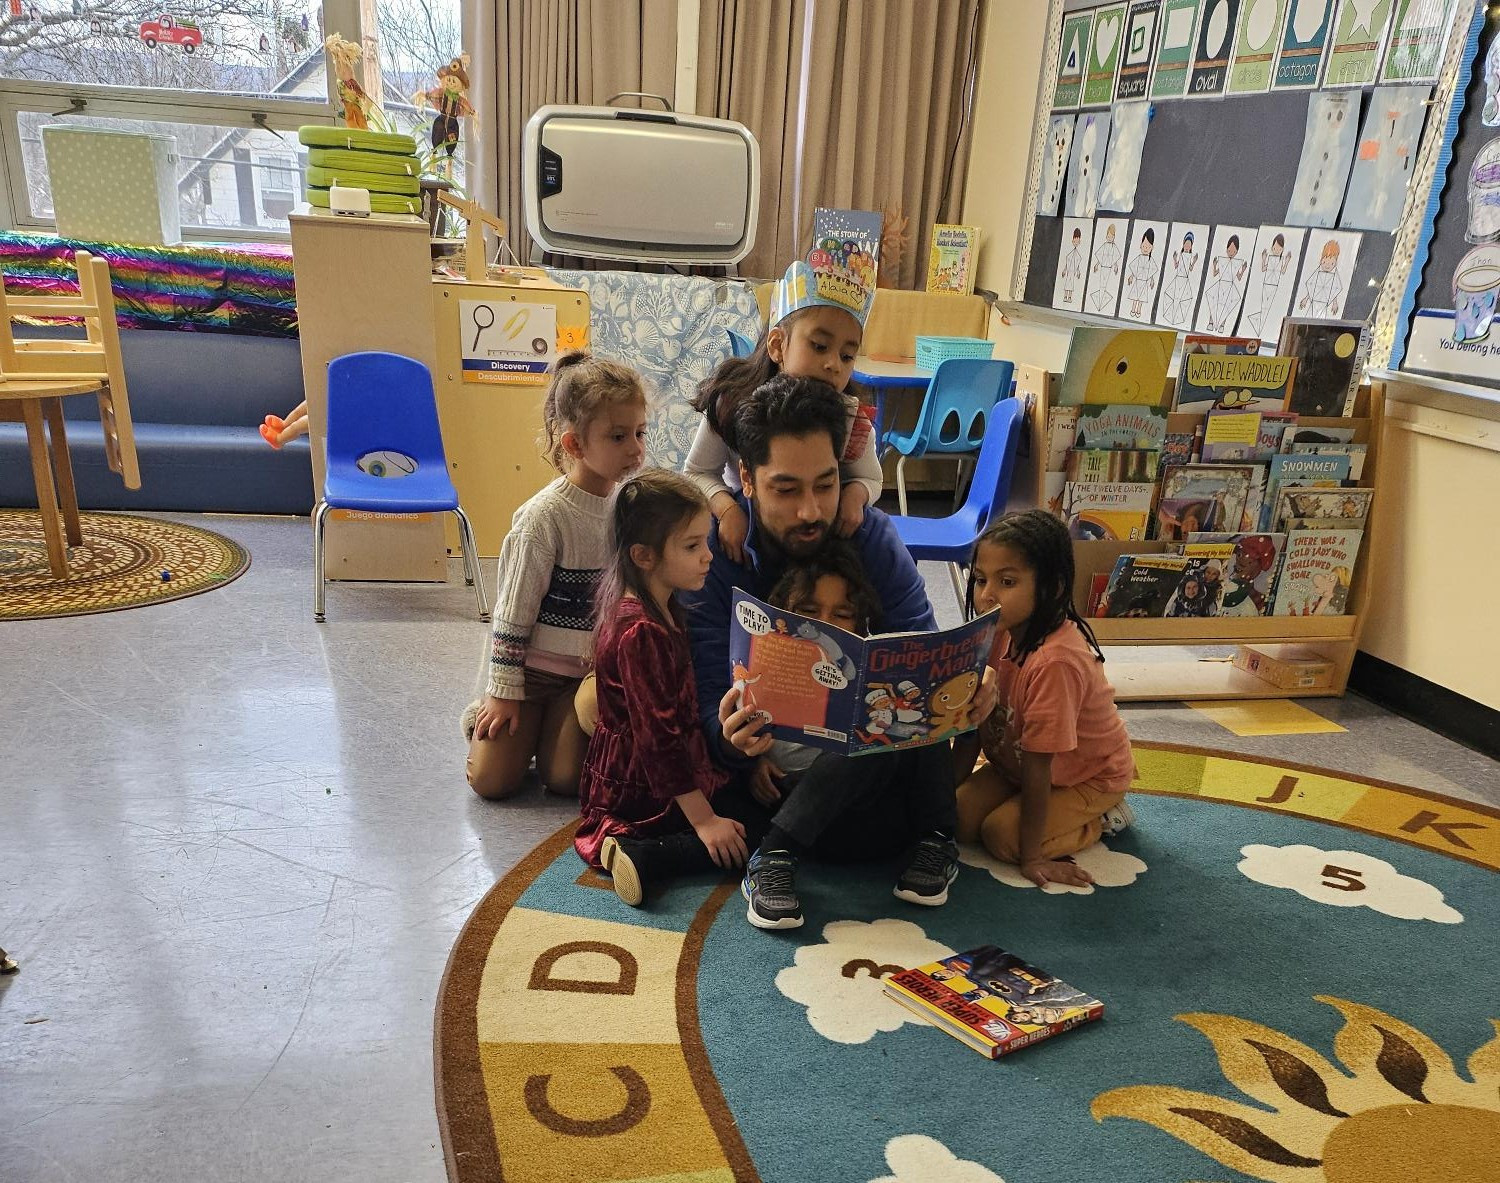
(236, 848)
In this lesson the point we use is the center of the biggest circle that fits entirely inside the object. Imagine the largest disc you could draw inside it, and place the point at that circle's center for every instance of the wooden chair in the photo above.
(95, 358)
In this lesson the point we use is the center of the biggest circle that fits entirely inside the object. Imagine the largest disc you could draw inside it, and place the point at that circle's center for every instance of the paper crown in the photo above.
(822, 281)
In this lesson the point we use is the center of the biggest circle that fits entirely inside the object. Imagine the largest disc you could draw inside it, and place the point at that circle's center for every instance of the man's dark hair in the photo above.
(785, 406)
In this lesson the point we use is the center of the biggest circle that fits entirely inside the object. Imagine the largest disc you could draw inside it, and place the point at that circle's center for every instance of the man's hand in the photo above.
(740, 727)
(495, 715)
(1061, 871)
(984, 697)
(725, 839)
(763, 786)
(733, 527)
(853, 498)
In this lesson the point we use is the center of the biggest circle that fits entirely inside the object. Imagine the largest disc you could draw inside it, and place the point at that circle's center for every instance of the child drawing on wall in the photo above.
(1140, 276)
(1223, 295)
(1274, 261)
(1072, 269)
(1106, 259)
(1179, 293)
(1322, 291)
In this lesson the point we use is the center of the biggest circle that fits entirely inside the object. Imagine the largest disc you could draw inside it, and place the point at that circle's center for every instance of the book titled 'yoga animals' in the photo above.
(819, 685)
(992, 1000)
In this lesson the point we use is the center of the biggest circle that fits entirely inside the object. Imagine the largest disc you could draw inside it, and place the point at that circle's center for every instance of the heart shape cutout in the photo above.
(1106, 33)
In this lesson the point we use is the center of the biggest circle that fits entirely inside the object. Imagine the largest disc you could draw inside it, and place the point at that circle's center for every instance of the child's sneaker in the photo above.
(1121, 817)
(933, 866)
(770, 891)
(623, 872)
(470, 717)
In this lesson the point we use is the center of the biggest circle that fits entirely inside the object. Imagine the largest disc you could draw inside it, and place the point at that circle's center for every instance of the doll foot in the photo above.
(270, 435)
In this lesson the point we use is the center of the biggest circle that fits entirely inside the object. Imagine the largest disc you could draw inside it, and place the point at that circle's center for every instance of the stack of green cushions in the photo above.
(382, 162)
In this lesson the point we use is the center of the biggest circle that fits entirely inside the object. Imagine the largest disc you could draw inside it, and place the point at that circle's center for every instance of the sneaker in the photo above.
(770, 891)
(469, 718)
(933, 866)
(622, 872)
(1121, 817)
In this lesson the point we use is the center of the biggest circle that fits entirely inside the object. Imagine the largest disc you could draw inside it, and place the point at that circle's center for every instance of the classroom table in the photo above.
(882, 376)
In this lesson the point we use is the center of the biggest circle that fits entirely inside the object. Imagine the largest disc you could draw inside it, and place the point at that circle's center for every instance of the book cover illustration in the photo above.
(1202, 497)
(1316, 572)
(1292, 469)
(1350, 505)
(1180, 447)
(950, 265)
(1108, 510)
(1199, 590)
(1231, 436)
(1143, 585)
(1355, 452)
(1246, 566)
(1062, 430)
(1273, 428)
(1121, 426)
(819, 685)
(1116, 366)
(1120, 465)
(1235, 382)
(1331, 357)
(992, 1000)
(848, 239)
(1316, 435)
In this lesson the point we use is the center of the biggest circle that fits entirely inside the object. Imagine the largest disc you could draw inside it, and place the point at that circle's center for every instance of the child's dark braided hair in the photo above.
(1043, 542)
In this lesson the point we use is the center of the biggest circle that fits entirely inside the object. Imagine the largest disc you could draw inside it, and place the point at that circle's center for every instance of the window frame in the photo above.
(248, 111)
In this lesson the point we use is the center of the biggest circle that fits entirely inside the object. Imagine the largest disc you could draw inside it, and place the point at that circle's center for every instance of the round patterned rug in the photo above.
(1297, 968)
(120, 565)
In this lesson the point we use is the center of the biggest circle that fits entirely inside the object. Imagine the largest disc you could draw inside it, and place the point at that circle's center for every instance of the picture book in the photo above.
(1121, 426)
(1123, 465)
(992, 1000)
(1273, 428)
(1062, 430)
(1098, 582)
(1202, 497)
(950, 265)
(1316, 573)
(1293, 469)
(1331, 357)
(1349, 504)
(1116, 366)
(1142, 585)
(850, 237)
(819, 685)
(1109, 510)
(1198, 591)
(1181, 447)
(1245, 565)
(1316, 435)
(1233, 381)
(1232, 436)
(1355, 452)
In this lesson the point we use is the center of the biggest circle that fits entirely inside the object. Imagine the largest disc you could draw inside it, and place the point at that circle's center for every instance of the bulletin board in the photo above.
(1233, 160)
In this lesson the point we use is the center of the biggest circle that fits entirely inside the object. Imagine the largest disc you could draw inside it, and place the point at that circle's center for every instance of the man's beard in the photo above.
(797, 546)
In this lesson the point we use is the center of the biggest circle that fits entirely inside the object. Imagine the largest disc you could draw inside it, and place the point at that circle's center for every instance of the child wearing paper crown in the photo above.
(818, 314)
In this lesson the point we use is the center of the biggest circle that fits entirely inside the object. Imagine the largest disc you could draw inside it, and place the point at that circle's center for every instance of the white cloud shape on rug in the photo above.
(916, 1158)
(1110, 868)
(1346, 879)
(839, 981)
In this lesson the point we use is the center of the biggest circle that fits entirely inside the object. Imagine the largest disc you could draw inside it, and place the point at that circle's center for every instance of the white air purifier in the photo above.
(643, 186)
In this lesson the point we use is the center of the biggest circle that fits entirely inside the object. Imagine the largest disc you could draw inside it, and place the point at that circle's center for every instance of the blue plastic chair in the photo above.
(385, 402)
(953, 416)
(951, 539)
(739, 344)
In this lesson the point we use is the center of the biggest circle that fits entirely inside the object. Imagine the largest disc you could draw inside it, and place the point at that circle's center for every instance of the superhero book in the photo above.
(819, 685)
(992, 1000)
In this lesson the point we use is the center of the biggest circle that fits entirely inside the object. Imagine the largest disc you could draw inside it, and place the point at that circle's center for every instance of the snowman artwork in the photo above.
(1089, 140)
(1054, 173)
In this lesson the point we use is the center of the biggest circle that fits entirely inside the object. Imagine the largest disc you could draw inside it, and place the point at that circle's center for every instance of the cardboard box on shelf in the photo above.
(1291, 667)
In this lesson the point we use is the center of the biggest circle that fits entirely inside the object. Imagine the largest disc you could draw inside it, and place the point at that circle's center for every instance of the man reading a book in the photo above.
(788, 434)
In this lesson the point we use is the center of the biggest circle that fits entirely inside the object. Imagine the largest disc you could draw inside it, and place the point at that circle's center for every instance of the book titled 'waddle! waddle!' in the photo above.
(992, 1000)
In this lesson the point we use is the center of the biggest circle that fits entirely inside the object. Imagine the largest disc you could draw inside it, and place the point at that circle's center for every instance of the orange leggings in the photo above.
(989, 812)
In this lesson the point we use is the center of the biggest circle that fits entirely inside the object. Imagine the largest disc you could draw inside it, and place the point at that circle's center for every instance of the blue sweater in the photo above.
(888, 565)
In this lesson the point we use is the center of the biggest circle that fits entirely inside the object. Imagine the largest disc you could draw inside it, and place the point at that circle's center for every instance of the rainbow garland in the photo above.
(207, 287)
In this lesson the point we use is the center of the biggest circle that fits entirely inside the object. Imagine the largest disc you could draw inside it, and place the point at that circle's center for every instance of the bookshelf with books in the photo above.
(1154, 658)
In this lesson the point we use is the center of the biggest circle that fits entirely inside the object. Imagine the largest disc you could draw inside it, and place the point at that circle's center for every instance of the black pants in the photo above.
(683, 853)
(848, 809)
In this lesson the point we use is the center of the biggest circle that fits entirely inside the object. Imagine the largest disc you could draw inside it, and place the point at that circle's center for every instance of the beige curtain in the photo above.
(529, 53)
(878, 125)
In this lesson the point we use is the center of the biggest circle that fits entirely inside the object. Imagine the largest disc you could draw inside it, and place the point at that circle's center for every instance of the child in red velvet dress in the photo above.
(654, 805)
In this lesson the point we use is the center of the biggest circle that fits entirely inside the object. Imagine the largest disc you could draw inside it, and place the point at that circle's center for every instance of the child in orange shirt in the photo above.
(1059, 759)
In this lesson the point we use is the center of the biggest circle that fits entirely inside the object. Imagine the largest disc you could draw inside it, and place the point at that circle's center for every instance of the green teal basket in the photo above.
(934, 351)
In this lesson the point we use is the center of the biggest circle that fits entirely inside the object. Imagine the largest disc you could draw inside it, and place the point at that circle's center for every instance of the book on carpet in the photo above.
(1202, 497)
(1234, 381)
(816, 684)
(1316, 572)
(1142, 585)
(992, 1000)
(1109, 510)
(950, 264)
(1331, 357)
(1121, 425)
(1245, 566)
(1116, 366)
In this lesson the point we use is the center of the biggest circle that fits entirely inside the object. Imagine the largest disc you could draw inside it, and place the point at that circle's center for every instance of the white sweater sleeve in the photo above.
(525, 573)
(706, 460)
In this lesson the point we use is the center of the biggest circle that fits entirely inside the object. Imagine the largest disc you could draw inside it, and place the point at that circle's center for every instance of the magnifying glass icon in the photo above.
(484, 318)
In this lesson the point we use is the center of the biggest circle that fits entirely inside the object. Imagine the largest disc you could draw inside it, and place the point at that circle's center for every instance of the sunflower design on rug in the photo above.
(1398, 1113)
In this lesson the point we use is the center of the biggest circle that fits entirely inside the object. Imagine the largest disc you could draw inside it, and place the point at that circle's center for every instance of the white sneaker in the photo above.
(1121, 817)
(469, 718)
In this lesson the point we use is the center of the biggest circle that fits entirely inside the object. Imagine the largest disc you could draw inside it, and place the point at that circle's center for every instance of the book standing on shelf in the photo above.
(950, 265)
(1245, 566)
(1142, 585)
(1231, 437)
(1233, 381)
(1316, 572)
(992, 1001)
(1202, 497)
(1116, 366)
(1331, 356)
(1108, 509)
